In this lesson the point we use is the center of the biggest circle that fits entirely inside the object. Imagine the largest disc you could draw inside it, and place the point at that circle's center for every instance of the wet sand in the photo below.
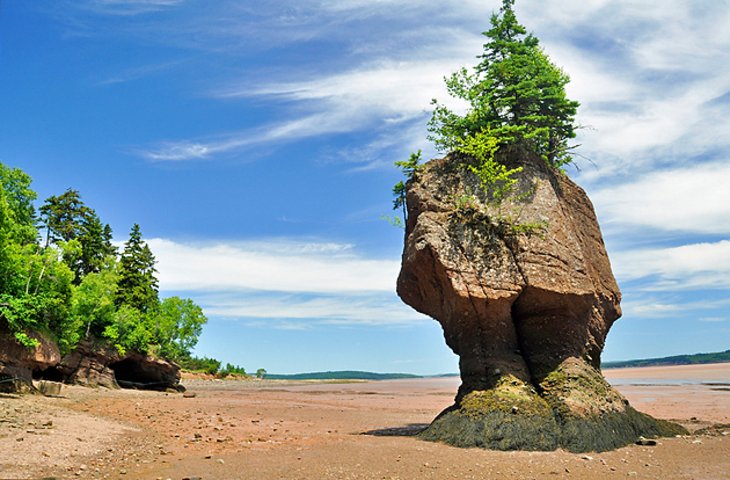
(316, 430)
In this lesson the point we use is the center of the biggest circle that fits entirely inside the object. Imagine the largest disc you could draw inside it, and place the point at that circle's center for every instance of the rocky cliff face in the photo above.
(527, 313)
(99, 365)
(89, 364)
(18, 363)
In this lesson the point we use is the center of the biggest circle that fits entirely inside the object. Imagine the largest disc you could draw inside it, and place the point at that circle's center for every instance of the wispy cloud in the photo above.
(284, 283)
(692, 199)
(276, 133)
(136, 73)
(278, 266)
(695, 266)
(647, 84)
(653, 305)
(366, 309)
(127, 7)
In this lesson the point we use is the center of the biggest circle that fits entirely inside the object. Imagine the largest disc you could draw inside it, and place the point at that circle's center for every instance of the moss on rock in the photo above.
(575, 409)
(510, 416)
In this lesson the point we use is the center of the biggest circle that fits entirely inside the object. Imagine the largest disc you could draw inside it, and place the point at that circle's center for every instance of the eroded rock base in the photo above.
(573, 408)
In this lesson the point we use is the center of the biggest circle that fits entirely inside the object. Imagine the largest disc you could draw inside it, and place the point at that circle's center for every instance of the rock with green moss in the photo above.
(526, 311)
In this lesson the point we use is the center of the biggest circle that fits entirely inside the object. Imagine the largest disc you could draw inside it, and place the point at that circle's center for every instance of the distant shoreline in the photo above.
(679, 360)
(694, 359)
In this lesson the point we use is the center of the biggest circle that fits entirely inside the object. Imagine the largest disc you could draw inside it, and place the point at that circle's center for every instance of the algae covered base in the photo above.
(575, 409)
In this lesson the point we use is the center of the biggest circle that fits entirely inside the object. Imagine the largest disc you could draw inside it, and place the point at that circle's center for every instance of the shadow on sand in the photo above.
(410, 430)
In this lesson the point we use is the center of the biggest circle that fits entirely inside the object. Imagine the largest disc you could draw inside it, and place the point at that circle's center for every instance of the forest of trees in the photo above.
(61, 275)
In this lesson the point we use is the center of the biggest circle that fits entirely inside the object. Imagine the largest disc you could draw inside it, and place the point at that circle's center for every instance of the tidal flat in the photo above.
(352, 430)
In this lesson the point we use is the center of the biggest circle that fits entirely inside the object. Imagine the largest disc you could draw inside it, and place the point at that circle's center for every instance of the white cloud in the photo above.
(646, 74)
(643, 304)
(696, 266)
(385, 97)
(686, 199)
(369, 309)
(129, 7)
(277, 266)
(284, 284)
(714, 319)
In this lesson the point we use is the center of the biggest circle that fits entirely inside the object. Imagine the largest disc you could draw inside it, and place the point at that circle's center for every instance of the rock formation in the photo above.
(18, 363)
(526, 309)
(89, 364)
(99, 365)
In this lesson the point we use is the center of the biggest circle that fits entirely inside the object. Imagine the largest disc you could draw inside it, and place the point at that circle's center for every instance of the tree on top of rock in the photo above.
(137, 286)
(516, 95)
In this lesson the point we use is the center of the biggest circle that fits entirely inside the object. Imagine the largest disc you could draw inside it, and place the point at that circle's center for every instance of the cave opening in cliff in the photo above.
(129, 373)
(52, 373)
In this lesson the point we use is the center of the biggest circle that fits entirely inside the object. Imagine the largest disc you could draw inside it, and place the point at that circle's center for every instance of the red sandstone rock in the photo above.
(19, 362)
(527, 313)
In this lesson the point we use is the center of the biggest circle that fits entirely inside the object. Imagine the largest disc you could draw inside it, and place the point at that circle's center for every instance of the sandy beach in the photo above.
(317, 430)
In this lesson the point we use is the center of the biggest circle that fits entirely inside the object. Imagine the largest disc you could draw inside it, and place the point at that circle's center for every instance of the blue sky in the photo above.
(254, 142)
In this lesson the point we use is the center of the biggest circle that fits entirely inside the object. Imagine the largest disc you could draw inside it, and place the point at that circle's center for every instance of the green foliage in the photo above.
(137, 285)
(232, 370)
(26, 340)
(465, 205)
(261, 373)
(177, 325)
(92, 302)
(515, 93)
(394, 221)
(61, 216)
(70, 223)
(74, 288)
(409, 168)
(516, 103)
(495, 178)
(200, 364)
(17, 214)
(131, 329)
(529, 228)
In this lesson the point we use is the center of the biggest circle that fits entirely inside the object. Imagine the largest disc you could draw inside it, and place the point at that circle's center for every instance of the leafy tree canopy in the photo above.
(515, 95)
(179, 323)
(67, 219)
(18, 213)
(73, 286)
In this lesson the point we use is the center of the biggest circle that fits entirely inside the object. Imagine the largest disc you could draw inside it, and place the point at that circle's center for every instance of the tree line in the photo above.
(61, 275)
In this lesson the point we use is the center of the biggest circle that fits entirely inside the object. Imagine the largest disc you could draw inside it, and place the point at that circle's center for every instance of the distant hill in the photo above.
(697, 358)
(342, 375)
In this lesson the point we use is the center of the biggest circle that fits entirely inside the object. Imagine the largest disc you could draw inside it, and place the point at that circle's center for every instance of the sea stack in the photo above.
(525, 294)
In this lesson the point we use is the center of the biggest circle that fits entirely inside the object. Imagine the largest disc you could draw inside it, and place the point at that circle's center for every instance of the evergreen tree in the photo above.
(516, 95)
(62, 216)
(137, 286)
(87, 242)
(96, 246)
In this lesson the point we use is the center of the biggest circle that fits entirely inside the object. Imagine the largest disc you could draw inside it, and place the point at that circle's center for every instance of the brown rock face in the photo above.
(19, 363)
(527, 313)
(99, 365)
(89, 364)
